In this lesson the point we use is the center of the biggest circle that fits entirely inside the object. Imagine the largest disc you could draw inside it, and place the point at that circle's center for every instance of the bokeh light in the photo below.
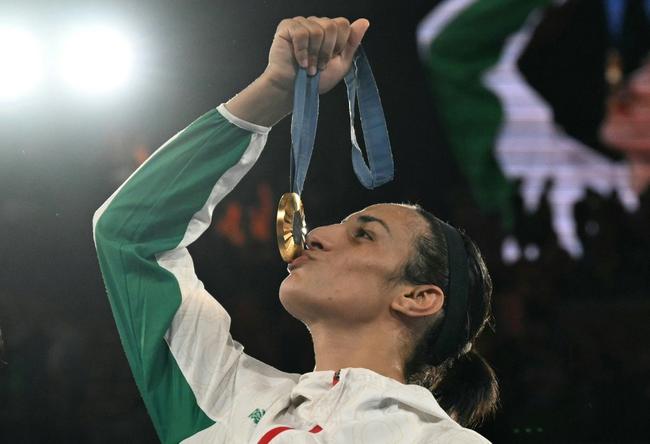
(96, 59)
(20, 63)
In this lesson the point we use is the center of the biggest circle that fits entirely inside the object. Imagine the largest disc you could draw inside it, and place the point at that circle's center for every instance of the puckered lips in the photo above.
(299, 261)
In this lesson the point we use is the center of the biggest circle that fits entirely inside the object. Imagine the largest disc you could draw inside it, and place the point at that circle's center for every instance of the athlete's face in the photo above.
(348, 275)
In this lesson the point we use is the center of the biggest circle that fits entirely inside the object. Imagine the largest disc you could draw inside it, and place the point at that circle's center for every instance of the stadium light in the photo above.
(96, 60)
(20, 63)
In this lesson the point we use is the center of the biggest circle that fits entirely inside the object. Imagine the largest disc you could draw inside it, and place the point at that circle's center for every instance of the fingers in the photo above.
(330, 37)
(299, 37)
(342, 35)
(357, 31)
(316, 40)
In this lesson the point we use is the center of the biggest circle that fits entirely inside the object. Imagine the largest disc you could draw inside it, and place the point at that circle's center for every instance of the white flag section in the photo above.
(530, 146)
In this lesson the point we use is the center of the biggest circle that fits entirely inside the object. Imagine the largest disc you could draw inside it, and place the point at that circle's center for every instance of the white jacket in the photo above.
(197, 383)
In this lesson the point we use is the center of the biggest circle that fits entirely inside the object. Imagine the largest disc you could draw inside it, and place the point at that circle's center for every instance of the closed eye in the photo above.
(360, 232)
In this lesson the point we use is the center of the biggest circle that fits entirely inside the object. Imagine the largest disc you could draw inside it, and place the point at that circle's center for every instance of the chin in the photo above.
(294, 299)
(289, 291)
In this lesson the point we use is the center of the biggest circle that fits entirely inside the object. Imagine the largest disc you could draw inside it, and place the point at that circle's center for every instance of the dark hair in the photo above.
(463, 383)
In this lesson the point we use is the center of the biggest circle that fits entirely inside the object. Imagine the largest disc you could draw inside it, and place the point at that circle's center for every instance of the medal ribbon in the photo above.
(615, 17)
(360, 84)
(615, 11)
(303, 127)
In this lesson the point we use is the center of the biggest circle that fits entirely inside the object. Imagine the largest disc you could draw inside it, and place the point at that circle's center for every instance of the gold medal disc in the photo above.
(290, 226)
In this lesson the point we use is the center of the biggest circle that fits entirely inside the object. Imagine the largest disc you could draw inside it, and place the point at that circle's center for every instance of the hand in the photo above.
(313, 43)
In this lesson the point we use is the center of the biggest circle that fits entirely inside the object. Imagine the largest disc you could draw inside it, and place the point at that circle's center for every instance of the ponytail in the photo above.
(466, 387)
(468, 391)
(462, 381)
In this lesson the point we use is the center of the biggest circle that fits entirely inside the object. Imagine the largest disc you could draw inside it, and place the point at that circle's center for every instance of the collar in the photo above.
(370, 390)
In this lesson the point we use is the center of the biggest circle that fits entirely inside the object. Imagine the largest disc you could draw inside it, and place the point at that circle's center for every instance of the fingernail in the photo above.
(312, 70)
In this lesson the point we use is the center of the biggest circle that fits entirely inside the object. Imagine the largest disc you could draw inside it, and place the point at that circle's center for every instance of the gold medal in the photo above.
(290, 226)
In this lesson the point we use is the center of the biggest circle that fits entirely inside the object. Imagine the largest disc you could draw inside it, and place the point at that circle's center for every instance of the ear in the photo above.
(419, 301)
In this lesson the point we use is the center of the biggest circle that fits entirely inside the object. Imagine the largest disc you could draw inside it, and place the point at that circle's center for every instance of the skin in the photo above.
(627, 126)
(343, 289)
(299, 42)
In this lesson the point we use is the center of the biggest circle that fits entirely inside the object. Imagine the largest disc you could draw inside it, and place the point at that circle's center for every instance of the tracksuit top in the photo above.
(196, 381)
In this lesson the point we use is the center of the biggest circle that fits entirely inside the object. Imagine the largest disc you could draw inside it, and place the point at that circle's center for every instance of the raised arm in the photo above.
(164, 316)
(190, 372)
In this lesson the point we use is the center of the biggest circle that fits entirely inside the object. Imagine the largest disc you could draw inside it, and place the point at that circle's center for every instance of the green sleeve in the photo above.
(141, 234)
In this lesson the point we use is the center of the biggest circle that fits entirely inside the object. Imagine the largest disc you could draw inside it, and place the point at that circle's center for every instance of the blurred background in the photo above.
(524, 122)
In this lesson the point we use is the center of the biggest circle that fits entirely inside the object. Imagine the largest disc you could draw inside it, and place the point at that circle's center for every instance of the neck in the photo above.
(373, 347)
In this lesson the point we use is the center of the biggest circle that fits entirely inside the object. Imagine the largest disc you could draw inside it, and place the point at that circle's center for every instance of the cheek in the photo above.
(371, 269)
(345, 287)
(360, 279)
(346, 292)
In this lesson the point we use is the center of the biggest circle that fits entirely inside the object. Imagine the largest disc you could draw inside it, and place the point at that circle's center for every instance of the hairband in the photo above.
(457, 293)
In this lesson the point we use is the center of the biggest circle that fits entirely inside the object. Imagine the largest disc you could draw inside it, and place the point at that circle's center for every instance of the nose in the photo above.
(321, 238)
(312, 240)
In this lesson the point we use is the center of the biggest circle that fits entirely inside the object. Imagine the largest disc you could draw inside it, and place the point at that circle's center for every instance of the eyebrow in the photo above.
(365, 218)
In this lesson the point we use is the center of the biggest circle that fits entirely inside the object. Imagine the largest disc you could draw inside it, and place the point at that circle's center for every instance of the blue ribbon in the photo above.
(303, 126)
(360, 84)
(616, 18)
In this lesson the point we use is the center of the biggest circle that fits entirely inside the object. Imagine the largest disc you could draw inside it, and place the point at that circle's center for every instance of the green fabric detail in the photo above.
(150, 215)
(256, 415)
(471, 114)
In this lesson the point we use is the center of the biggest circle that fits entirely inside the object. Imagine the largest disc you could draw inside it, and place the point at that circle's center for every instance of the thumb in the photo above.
(357, 30)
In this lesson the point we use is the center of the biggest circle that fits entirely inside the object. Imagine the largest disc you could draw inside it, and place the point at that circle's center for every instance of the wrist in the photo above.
(278, 94)
(263, 102)
(280, 88)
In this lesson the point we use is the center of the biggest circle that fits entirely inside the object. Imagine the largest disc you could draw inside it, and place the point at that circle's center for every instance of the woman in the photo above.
(372, 290)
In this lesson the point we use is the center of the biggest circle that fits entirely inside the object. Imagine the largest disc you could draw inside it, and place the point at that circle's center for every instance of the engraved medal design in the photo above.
(290, 226)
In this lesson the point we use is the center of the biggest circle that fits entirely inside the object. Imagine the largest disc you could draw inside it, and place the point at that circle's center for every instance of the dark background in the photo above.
(570, 346)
